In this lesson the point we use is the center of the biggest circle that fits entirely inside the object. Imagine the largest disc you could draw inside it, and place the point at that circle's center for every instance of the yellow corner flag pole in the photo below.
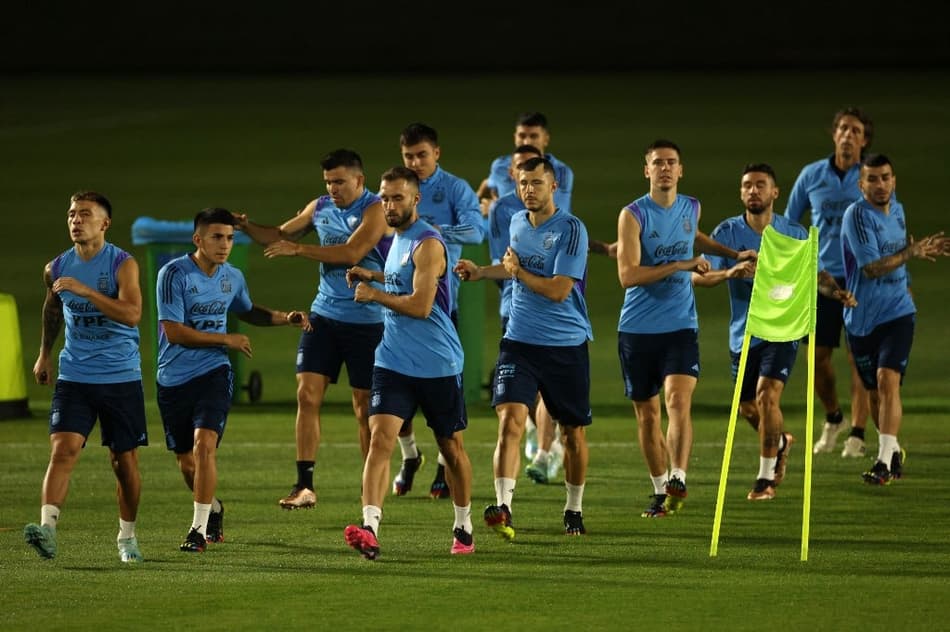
(782, 308)
(809, 436)
(727, 453)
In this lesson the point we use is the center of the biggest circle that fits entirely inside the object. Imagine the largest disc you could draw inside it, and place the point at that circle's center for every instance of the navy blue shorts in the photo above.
(887, 346)
(560, 374)
(769, 359)
(441, 399)
(120, 409)
(202, 402)
(829, 320)
(646, 360)
(333, 343)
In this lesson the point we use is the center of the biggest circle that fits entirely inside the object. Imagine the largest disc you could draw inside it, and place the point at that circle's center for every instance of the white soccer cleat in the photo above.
(853, 448)
(129, 550)
(530, 440)
(829, 435)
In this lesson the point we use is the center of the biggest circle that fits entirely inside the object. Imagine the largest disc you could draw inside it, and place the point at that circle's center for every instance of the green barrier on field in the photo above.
(13, 400)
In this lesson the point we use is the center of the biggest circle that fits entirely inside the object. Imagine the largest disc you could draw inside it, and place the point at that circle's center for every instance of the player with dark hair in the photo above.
(880, 327)
(824, 189)
(658, 246)
(92, 288)
(768, 364)
(349, 223)
(544, 347)
(195, 292)
(531, 128)
(449, 205)
(418, 364)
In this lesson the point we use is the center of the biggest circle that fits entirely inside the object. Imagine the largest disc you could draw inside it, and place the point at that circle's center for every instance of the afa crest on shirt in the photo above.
(439, 196)
(549, 240)
(226, 285)
(687, 226)
(405, 258)
(102, 284)
(352, 221)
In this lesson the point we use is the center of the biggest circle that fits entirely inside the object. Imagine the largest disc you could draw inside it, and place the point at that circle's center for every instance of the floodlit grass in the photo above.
(167, 146)
(876, 554)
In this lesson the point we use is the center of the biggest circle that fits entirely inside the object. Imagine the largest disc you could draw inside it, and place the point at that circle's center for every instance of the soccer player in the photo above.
(544, 347)
(195, 292)
(768, 364)
(418, 363)
(824, 189)
(352, 230)
(658, 330)
(449, 205)
(94, 289)
(880, 328)
(542, 444)
(531, 128)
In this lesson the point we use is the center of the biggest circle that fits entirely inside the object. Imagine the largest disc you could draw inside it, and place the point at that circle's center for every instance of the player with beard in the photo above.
(418, 363)
(768, 364)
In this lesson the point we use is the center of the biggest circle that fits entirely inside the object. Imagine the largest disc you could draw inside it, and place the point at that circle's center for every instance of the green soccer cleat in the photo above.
(498, 517)
(675, 495)
(42, 538)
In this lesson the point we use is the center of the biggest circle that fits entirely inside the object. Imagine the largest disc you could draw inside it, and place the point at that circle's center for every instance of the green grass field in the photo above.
(167, 146)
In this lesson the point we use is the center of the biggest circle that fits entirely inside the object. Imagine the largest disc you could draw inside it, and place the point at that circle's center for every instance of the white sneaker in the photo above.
(829, 434)
(853, 447)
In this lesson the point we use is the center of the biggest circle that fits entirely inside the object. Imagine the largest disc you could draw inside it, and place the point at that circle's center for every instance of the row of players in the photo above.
(389, 278)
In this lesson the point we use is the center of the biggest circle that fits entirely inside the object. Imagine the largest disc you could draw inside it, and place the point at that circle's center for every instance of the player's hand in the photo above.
(70, 284)
(43, 371)
(240, 220)
(929, 247)
(281, 248)
(748, 255)
(356, 274)
(699, 265)
(364, 292)
(742, 270)
(239, 342)
(845, 297)
(299, 319)
(511, 262)
(467, 270)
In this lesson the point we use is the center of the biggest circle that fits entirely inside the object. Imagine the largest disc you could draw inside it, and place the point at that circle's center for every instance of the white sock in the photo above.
(575, 497)
(463, 518)
(887, 445)
(441, 460)
(659, 483)
(408, 447)
(200, 521)
(767, 467)
(372, 516)
(504, 491)
(49, 515)
(678, 473)
(126, 529)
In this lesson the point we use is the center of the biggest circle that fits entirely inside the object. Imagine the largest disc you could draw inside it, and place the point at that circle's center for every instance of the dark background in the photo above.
(460, 37)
